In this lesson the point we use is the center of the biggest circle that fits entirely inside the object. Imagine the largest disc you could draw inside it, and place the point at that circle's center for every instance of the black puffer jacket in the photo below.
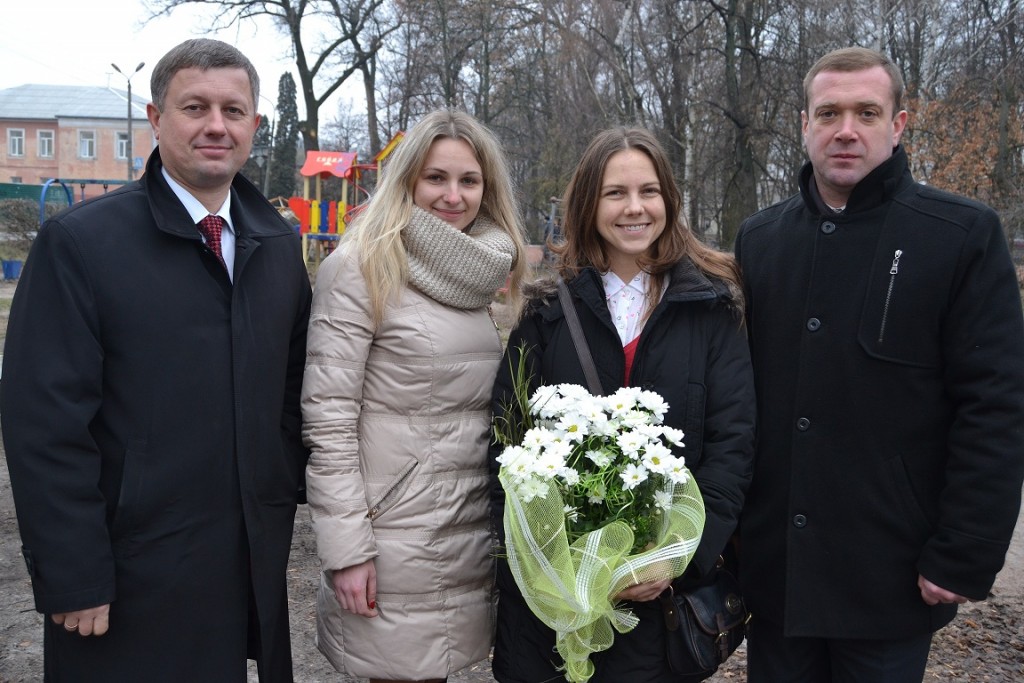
(693, 351)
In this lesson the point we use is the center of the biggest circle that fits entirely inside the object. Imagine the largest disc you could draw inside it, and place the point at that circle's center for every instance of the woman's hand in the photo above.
(355, 588)
(642, 592)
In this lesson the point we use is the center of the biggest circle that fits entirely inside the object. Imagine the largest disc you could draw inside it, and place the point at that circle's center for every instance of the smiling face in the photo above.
(849, 128)
(630, 211)
(451, 183)
(205, 130)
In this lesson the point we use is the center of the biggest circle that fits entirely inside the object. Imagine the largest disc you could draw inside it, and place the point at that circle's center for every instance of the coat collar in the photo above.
(887, 179)
(687, 283)
(253, 216)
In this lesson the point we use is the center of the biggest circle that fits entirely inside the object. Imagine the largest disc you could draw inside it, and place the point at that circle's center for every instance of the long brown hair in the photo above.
(583, 246)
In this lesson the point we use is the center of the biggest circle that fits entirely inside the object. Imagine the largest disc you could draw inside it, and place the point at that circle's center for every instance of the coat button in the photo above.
(803, 424)
(813, 324)
(828, 227)
(799, 521)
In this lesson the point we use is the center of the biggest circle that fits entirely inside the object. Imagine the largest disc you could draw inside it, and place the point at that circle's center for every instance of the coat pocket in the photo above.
(392, 492)
(901, 319)
(129, 513)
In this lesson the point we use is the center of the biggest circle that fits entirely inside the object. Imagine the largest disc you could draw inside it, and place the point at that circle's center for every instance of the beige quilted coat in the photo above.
(398, 420)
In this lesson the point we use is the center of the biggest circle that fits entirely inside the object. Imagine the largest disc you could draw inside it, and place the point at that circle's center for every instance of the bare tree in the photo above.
(327, 62)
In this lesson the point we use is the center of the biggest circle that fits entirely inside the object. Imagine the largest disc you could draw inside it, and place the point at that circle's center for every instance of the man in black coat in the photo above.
(888, 347)
(150, 402)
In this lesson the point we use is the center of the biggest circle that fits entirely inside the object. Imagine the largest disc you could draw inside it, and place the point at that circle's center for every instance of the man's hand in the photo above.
(933, 594)
(94, 621)
(642, 592)
(356, 588)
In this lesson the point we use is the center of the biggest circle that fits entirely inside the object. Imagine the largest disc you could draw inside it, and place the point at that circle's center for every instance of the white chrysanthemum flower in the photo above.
(571, 513)
(630, 443)
(663, 500)
(549, 464)
(632, 476)
(597, 494)
(677, 471)
(657, 457)
(517, 461)
(602, 426)
(652, 431)
(654, 403)
(538, 438)
(571, 476)
(544, 401)
(573, 426)
(635, 419)
(574, 393)
(531, 488)
(673, 436)
(601, 458)
(560, 448)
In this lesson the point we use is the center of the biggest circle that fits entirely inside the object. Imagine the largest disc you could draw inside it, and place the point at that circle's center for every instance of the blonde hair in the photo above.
(583, 245)
(377, 231)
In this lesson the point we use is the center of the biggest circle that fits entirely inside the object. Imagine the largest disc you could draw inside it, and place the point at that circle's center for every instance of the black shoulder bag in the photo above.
(706, 623)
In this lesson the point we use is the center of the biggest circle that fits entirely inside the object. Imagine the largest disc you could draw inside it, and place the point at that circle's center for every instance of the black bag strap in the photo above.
(578, 340)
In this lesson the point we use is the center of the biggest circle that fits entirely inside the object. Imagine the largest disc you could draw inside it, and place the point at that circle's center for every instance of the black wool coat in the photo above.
(888, 349)
(693, 352)
(150, 414)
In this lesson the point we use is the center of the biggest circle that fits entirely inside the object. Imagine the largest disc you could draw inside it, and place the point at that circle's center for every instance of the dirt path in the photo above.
(984, 644)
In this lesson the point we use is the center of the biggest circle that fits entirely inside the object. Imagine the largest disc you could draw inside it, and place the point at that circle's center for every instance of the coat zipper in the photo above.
(888, 295)
(382, 503)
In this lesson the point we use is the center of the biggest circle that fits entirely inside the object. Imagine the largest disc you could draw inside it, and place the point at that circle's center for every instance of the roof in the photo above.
(328, 163)
(49, 102)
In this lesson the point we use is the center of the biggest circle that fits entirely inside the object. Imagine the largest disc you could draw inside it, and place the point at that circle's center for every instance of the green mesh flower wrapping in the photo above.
(570, 587)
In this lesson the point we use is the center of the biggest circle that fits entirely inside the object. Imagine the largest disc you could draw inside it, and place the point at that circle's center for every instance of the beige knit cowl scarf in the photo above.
(458, 269)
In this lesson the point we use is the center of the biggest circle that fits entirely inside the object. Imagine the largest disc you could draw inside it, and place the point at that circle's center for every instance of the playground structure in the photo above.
(322, 222)
(66, 184)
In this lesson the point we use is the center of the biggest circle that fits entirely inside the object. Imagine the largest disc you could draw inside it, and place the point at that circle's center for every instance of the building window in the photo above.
(86, 144)
(16, 142)
(121, 148)
(45, 140)
(16, 179)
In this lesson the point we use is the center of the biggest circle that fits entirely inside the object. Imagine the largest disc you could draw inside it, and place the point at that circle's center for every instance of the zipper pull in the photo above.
(896, 262)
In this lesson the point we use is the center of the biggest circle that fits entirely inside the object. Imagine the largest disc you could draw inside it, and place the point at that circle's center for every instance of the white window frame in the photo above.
(16, 142)
(44, 137)
(121, 146)
(86, 137)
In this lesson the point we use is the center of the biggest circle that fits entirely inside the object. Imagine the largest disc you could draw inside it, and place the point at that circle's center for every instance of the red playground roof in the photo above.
(329, 163)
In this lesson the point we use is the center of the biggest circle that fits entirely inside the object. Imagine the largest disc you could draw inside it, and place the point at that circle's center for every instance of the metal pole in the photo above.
(270, 160)
(128, 151)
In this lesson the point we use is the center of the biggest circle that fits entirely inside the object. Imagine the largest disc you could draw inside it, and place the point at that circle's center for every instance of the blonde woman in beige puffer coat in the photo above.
(402, 355)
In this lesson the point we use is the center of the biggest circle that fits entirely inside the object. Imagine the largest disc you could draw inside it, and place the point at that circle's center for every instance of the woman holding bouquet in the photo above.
(402, 353)
(662, 312)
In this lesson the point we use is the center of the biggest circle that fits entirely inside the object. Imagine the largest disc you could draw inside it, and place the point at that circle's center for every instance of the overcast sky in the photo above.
(70, 42)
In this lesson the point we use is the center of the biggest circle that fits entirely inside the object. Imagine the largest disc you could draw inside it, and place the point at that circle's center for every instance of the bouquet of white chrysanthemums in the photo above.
(596, 501)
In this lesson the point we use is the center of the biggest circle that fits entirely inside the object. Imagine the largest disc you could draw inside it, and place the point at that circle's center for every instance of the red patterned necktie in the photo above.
(210, 228)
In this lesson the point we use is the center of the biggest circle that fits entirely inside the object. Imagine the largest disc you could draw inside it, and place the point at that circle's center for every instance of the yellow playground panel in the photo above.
(322, 222)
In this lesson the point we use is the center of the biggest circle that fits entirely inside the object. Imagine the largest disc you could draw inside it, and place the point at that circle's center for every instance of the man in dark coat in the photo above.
(150, 403)
(888, 348)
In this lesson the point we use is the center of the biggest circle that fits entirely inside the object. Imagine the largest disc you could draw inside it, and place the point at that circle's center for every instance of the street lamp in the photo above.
(127, 77)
